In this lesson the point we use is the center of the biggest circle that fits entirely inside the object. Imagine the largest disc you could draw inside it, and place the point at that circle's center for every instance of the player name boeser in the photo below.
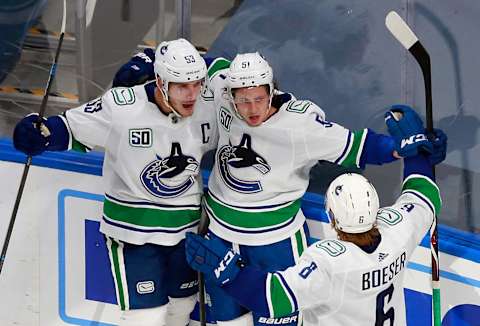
(382, 276)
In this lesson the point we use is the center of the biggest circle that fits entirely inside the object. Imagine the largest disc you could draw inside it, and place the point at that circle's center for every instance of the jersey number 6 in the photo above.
(381, 314)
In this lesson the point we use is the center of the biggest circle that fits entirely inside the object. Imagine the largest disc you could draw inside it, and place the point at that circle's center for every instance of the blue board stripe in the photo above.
(62, 311)
(444, 274)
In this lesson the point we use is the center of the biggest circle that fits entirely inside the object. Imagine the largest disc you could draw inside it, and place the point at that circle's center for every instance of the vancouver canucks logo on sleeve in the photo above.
(157, 176)
(238, 157)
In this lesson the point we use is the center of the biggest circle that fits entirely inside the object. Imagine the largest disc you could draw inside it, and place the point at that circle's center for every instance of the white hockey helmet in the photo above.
(178, 61)
(249, 70)
(352, 201)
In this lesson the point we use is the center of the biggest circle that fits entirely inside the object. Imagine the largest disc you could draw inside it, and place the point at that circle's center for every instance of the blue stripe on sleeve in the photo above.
(378, 149)
(59, 135)
(249, 289)
(418, 164)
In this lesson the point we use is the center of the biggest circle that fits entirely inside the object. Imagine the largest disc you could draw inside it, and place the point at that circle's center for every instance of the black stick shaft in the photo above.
(14, 212)
(423, 59)
(404, 34)
(28, 163)
(51, 77)
(201, 299)
(202, 230)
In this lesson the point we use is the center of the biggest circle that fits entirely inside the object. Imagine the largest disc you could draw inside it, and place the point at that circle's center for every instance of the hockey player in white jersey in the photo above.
(357, 278)
(154, 136)
(268, 142)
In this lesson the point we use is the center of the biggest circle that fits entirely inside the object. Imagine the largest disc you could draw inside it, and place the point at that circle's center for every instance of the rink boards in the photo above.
(57, 271)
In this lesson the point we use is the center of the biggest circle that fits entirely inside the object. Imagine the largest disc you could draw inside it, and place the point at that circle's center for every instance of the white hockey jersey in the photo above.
(336, 283)
(152, 163)
(261, 173)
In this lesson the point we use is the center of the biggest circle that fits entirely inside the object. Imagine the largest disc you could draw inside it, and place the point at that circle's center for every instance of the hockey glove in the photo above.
(218, 263)
(137, 71)
(52, 135)
(406, 128)
(439, 142)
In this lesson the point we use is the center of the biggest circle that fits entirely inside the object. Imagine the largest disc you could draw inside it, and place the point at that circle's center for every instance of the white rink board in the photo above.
(32, 267)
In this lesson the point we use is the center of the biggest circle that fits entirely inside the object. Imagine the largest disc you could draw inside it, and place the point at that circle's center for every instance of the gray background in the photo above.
(340, 55)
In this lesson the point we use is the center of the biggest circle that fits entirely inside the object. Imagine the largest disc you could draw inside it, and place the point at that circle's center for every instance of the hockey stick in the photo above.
(202, 230)
(400, 30)
(41, 112)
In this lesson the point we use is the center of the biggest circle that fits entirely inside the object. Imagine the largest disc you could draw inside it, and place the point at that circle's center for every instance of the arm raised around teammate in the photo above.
(137, 70)
(326, 140)
(420, 200)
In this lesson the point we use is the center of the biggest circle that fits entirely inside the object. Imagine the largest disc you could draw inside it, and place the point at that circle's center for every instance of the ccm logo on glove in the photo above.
(224, 263)
(413, 139)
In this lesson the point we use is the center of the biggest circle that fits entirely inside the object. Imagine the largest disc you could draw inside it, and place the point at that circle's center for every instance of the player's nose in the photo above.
(192, 92)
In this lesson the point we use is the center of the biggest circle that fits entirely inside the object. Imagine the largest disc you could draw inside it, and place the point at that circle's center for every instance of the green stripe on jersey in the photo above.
(78, 146)
(298, 238)
(426, 187)
(352, 159)
(118, 275)
(280, 300)
(252, 220)
(217, 64)
(149, 217)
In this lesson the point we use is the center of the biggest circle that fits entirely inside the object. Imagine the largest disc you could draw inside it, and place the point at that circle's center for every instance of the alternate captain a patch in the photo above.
(238, 157)
(162, 177)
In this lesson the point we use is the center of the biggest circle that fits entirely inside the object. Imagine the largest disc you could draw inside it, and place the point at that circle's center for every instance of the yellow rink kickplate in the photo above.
(36, 94)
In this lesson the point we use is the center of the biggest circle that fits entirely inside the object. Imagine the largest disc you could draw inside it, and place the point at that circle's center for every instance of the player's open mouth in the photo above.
(188, 106)
(254, 119)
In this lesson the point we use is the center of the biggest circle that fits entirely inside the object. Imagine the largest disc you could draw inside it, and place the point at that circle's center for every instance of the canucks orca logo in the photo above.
(156, 174)
(338, 190)
(241, 156)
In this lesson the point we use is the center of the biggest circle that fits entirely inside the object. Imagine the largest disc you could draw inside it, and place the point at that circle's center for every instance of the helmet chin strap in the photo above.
(229, 96)
(174, 115)
(269, 104)
(235, 109)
